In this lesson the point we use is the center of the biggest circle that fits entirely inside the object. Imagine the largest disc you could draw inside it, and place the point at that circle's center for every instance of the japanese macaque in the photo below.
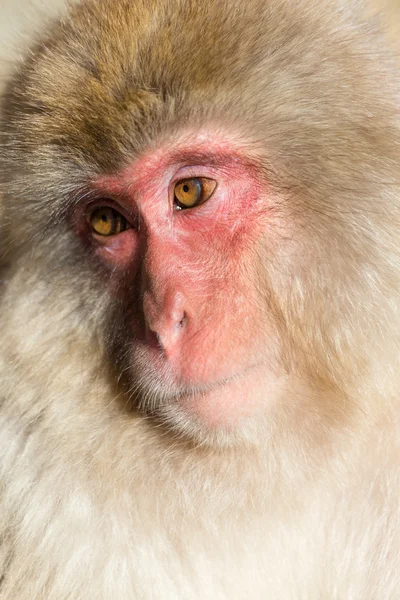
(199, 309)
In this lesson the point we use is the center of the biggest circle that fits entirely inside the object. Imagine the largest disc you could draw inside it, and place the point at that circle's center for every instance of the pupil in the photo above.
(185, 188)
(104, 218)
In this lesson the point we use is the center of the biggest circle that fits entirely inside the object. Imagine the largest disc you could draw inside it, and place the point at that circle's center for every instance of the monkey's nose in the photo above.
(166, 320)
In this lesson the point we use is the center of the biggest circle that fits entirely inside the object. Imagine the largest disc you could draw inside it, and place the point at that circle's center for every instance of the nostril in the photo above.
(165, 321)
(177, 314)
(183, 320)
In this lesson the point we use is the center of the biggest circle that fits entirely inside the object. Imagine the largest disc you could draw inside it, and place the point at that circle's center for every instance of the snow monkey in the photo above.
(199, 304)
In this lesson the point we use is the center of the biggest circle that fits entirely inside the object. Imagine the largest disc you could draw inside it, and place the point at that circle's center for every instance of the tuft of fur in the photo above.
(100, 500)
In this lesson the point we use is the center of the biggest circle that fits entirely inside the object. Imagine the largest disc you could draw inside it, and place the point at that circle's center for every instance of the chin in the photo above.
(219, 412)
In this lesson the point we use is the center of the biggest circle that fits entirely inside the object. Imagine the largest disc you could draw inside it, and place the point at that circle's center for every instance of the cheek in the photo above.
(120, 251)
(229, 327)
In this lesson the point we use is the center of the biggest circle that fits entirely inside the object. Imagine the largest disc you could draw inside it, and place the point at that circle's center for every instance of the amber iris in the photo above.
(193, 192)
(107, 221)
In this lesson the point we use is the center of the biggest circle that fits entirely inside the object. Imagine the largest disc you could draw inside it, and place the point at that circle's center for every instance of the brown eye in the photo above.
(193, 192)
(107, 221)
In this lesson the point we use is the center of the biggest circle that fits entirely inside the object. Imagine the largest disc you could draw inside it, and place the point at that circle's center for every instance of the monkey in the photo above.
(199, 307)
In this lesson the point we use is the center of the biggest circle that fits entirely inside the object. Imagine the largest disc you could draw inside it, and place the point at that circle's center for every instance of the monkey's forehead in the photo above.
(114, 75)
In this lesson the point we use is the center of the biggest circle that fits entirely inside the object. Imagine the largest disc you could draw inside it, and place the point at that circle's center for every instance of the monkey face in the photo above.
(179, 232)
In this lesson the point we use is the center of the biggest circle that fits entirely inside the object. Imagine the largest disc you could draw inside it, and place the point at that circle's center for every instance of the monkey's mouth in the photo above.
(156, 376)
(223, 401)
(153, 369)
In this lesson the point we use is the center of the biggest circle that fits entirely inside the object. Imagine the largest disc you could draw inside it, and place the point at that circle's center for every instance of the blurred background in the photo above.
(19, 15)
(18, 21)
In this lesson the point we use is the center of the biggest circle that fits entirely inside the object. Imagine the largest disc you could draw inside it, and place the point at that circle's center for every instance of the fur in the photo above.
(102, 500)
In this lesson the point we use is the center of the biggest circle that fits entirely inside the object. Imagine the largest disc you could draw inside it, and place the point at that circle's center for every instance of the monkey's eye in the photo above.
(193, 192)
(107, 221)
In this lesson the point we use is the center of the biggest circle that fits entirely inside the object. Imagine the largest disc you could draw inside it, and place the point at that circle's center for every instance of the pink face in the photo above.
(200, 345)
